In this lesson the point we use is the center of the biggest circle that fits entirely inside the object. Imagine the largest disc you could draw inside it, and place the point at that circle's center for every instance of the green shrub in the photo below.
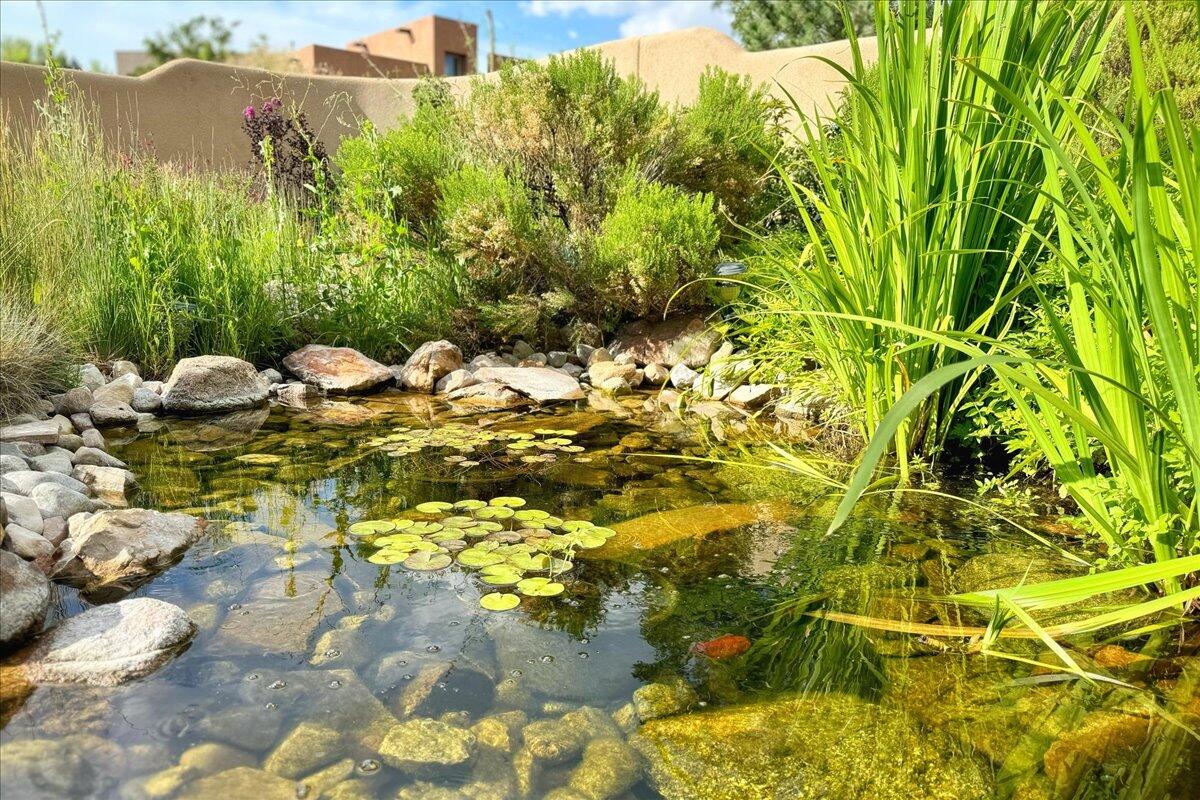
(657, 240)
(36, 357)
(1172, 56)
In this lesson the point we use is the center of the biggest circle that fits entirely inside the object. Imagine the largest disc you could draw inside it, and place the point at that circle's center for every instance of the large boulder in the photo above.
(541, 384)
(336, 370)
(118, 550)
(24, 598)
(678, 340)
(209, 384)
(806, 748)
(110, 644)
(428, 364)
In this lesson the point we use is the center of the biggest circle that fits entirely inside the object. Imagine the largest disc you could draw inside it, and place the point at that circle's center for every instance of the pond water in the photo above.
(318, 672)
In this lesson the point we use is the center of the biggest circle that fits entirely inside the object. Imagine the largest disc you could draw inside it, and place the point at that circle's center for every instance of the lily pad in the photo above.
(526, 514)
(427, 562)
(434, 507)
(473, 557)
(528, 562)
(460, 522)
(389, 556)
(539, 587)
(371, 526)
(494, 512)
(576, 524)
(469, 505)
(508, 502)
(499, 601)
(394, 539)
(425, 527)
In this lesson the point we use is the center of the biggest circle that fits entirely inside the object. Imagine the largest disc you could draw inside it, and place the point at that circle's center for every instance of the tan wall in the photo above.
(316, 59)
(191, 111)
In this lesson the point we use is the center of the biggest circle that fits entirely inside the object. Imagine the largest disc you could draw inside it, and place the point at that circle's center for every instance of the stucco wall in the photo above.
(190, 111)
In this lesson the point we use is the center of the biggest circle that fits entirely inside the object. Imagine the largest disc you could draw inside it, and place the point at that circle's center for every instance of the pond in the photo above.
(325, 667)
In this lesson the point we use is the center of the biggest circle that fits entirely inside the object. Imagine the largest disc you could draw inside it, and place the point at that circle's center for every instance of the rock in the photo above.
(657, 700)
(487, 396)
(79, 766)
(322, 784)
(271, 376)
(119, 550)
(297, 395)
(541, 384)
(657, 374)
(54, 530)
(22, 511)
(337, 370)
(70, 441)
(608, 769)
(306, 749)
(40, 432)
(64, 425)
(522, 349)
(754, 395)
(110, 644)
(583, 352)
(494, 734)
(94, 456)
(455, 380)
(678, 340)
(113, 415)
(598, 355)
(422, 745)
(83, 423)
(614, 385)
(428, 364)
(73, 401)
(90, 377)
(209, 384)
(27, 544)
(54, 500)
(487, 360)
(119, 391)
(574, 370)
(663, 527)
(240, 782)
(276, 618)
(146, 401)
(625, 358)
(601, 371)
(24, 599)
(1100, 737)
(123, 368)
(821, 746)
(210, 757)
(10, 464)
(25, 480)
(92, 438)
(558, 358)
(553, 741)
(252, 729)
(335, 697)
(110, 484)
(683, 377)
(53, 460)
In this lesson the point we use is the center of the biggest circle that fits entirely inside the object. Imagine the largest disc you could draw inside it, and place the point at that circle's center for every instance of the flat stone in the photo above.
(336, 370)
(94, 456)
(55, 461)
(240, 782)
(26, 479)
(487, 396)
(211, 384)
(24, 599)
(541, 384)
(753, 396)
(22, 511)
(41, 432)
(210, 757)
(54, 500)
(110, 644)
(110, 484)
(428, 364)
(113, 415)
(335, 697)
(306, 749)
(455, 380)
(423, 745)
(253, 729)
(276, 618)
(686, 339)
(118, 550)
(27, 544)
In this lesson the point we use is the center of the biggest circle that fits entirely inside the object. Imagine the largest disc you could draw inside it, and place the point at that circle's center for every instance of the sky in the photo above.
(92, 30)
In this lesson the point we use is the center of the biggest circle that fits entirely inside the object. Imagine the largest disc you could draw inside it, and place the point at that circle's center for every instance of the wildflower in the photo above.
(248, 112)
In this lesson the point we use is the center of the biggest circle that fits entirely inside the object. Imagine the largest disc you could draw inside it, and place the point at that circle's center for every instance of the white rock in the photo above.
(39, 432)
(428, 364)
(597, 356)
(12, 463)
(542, 384)
(111, 414)
(119, 390)
(754, 395)
(26, 479)
(96, 457)
(54, 500)
(601, 371)
(110, 484)
(457, 379)
(683, 377)
(110, 644)
(23, 511)
(656, 374)
(25, 543)
(123, 368)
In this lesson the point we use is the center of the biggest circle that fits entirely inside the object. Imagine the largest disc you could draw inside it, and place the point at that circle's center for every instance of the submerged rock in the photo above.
(664, 699)
(79, 766)
(664, 527)
(608, 769)
(306, 749)
(487, 396)
(208, 384)
(337, 370)
(109, 645)
(421, 745)
(24, 598)
(118, 550)
(240, 782)
(336, 697)
(816, 747)
(428, 364)
(276, 617)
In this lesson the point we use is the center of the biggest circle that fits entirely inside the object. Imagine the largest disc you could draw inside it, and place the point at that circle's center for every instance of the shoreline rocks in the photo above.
(213, 384)
(336, 370)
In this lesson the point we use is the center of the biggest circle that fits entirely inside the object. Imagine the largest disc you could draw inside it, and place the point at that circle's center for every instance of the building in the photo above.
(429, 45)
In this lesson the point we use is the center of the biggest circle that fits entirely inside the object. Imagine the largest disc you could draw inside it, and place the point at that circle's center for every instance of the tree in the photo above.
(768, 24)
(24, 51)
(205, 38)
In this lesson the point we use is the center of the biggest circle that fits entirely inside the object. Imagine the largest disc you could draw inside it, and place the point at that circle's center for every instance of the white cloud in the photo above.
(639, 17)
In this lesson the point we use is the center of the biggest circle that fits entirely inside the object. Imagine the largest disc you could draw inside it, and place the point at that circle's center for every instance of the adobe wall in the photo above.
(191, 111)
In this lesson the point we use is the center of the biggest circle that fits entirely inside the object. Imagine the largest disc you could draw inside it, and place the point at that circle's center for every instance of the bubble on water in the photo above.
(270, 706)
(433, 648)
(276, 685)
(441, 685)
(547, 659)
(253, 676)
(729, 586)
(407, 677)
(722, 577)
(664, 570)
(368, 765)
(583, 655)
(333, 652)
(302, 791)
(702, 703)
(454, 623)
(234, 606)
(516, 673)
(402, 663)
(335, 684)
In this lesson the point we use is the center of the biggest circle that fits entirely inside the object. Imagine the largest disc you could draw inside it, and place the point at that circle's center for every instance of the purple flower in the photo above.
(248, 112)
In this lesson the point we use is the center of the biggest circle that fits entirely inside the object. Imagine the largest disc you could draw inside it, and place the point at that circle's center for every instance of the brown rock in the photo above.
(337, 370)
(487, 396)
(428, 364)
(542, 384)
(601, 371)
(684, 339)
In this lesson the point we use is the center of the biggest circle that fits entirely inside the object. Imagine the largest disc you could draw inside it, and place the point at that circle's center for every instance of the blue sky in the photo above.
(528, 28)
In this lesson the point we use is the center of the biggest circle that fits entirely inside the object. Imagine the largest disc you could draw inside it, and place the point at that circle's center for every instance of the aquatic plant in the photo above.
(473, 444)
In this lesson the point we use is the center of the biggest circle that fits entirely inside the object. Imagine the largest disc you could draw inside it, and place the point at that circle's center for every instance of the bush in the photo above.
(36, 358)
(1172, 57)
(657, 240)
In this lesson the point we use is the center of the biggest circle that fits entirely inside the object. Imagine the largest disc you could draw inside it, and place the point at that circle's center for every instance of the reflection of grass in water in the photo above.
(800, 653)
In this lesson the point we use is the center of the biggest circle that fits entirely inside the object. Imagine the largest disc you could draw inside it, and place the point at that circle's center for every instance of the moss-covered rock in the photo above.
(306, 749)
(426, 745)
(664, 699)
(806, 747)
(609, 768)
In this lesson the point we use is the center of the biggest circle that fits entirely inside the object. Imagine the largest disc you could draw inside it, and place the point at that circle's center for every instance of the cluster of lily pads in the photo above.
(473, 444)
(504, 543)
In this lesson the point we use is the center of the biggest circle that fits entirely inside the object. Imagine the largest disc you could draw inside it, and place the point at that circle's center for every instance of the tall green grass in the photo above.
(915, 216)
(146, 262)
(1116, 413)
